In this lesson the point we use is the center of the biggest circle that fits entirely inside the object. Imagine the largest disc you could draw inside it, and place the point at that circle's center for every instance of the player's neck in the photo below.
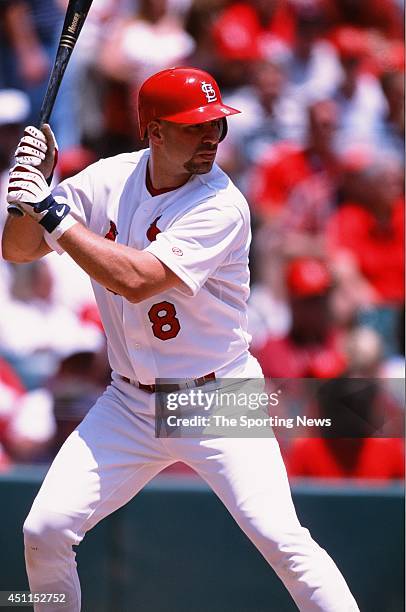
(160, 179)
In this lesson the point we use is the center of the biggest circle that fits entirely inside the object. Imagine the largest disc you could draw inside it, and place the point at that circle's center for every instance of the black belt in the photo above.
(171, 387)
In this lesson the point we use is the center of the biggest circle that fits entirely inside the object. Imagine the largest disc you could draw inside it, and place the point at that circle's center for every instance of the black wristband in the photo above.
(56, 212)
(44, 204)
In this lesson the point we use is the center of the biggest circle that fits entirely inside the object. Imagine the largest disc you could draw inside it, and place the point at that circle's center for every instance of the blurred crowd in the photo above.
(318, 152)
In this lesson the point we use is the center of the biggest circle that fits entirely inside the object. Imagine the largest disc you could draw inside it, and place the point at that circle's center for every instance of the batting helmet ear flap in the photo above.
(224, 129)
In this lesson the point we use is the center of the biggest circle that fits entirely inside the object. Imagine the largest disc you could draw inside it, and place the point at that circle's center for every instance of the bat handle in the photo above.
(15, 211)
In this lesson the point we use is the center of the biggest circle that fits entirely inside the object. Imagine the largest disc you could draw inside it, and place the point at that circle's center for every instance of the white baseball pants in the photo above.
(113, 454)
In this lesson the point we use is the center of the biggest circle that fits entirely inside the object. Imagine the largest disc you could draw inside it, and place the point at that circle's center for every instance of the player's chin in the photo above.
(204, 168)
(199, 167)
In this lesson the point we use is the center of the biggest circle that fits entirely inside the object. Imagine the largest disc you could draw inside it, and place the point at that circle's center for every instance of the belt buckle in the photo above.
(202, 380)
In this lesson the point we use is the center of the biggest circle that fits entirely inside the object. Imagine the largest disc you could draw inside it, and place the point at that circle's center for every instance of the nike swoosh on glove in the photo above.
(28, 188)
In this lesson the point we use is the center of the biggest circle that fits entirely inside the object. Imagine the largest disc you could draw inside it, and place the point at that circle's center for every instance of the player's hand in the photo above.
(29, 190)
(38, 148)
(27, 185)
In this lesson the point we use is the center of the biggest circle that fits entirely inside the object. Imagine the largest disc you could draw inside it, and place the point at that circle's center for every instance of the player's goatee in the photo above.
(198, 168)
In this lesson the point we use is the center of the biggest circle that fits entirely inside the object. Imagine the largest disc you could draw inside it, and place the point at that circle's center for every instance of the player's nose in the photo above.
(212, 132)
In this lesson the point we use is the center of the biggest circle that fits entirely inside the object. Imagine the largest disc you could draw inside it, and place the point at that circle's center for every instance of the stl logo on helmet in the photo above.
(209, 92)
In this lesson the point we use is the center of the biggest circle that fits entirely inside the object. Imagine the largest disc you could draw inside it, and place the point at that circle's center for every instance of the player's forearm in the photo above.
(122, 269)
(22, 240)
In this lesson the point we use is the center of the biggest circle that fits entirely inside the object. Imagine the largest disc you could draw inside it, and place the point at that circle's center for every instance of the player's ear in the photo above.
(154, 130)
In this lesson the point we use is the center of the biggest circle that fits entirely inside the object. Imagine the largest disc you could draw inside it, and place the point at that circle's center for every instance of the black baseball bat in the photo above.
(75, 17)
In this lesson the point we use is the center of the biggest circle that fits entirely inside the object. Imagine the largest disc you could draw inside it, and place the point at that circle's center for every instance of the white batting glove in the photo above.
(38, 148)
(29, 190)
(27, 184)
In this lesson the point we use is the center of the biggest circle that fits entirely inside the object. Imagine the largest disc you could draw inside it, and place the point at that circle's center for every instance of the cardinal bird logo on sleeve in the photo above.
(112, 233)
(153, 230)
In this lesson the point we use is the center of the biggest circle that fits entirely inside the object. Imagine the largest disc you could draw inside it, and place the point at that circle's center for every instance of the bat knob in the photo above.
(14, 211)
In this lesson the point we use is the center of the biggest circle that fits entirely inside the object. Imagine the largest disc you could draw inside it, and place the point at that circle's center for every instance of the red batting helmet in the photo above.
(181, 95)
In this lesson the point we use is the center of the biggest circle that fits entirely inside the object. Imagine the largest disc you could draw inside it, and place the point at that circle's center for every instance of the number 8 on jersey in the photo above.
(165, 324)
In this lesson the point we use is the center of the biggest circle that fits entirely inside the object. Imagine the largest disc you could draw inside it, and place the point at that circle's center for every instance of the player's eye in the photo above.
(206, 125)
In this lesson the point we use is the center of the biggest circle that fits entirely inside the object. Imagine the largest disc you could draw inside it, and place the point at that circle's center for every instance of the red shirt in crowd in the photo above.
(283, 358)
(239, 33)
(11, 389)
(379, 250)
(283, 167)
(372, 458)
(380, 15)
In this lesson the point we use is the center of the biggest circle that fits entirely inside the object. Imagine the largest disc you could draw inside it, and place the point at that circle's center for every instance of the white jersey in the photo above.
(201, 231)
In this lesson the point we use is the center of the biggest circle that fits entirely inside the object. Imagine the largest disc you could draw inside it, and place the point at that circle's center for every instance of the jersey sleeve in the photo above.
(199, 242)
(78, 192)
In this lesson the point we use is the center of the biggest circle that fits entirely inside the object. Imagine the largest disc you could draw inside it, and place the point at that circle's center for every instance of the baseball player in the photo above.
(164, 235)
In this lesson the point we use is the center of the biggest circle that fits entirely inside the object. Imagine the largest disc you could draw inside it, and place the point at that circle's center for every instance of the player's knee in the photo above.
(39, 533)
(293, 551)
(281, 546)
(45, 532)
